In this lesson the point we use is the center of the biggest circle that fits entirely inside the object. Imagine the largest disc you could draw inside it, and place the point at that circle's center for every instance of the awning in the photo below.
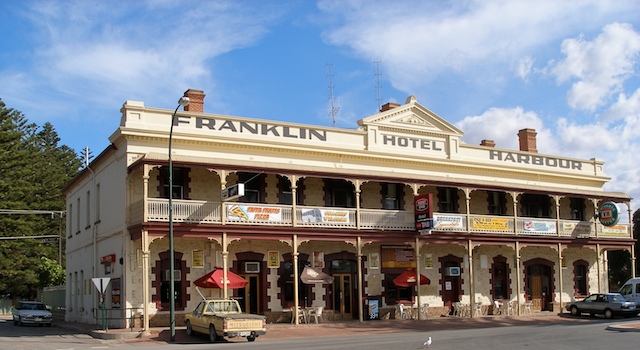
(408, 279)
(310, 276)
(214, 280)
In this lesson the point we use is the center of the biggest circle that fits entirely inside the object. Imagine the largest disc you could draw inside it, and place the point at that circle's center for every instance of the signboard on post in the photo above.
(233, 192)
(101, 284)
(424, 213)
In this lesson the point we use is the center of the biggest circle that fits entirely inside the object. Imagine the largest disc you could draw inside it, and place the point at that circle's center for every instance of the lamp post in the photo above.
(184, 101)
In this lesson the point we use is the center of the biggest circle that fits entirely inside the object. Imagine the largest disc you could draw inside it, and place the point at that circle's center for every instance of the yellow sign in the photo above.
(197, 258)
(274, 259)
(491, 224)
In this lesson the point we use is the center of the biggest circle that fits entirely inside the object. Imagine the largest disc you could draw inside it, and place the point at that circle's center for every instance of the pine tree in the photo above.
(33, 170)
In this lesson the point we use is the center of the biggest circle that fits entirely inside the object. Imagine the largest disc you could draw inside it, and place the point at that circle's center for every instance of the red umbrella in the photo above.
(408, 279)
(214, 280)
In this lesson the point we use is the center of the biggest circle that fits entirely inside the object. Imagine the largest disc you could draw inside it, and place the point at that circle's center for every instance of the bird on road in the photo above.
(427, 344)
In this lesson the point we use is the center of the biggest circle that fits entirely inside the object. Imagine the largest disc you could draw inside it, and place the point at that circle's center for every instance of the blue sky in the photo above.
(569, 69)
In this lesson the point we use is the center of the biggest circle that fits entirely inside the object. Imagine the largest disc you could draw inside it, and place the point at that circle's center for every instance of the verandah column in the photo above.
(296, 275)
(360, 295)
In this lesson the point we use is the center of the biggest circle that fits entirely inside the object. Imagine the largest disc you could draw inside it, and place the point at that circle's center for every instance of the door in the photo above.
(450, 290)
(536, 291)
(249, 296)
(342, 295)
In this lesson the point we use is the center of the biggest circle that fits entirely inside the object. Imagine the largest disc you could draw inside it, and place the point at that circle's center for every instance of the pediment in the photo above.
(412, 118)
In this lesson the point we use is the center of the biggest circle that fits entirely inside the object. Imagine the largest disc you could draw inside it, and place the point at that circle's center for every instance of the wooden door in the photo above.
(451, 290)
(536, 292)
(342, 295)
(249, 296)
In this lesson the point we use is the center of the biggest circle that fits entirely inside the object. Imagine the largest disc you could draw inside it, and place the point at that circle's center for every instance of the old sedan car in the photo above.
(607, 304)
(31, 312)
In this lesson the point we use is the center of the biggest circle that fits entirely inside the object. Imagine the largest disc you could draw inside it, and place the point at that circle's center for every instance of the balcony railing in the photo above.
(191, 211)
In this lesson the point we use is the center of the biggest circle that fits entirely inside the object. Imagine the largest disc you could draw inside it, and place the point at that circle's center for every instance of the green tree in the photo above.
(33, 170)
(50, 273)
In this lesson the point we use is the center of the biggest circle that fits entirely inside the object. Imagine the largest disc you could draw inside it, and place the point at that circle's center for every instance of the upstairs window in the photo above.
(392, 196)
(253, 187)
(535, 205)
(448, 199)
(497, 203)
(577, 209)
(340, 193)
(179, 183)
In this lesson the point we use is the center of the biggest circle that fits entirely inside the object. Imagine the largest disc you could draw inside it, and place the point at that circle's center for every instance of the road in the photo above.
(586, 334)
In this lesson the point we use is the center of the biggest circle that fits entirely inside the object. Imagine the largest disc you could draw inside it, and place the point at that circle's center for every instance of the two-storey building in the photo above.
(512, 225)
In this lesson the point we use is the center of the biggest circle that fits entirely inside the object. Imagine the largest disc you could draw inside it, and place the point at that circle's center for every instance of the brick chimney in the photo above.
(196, 100)
(487, 143)
(528, 140)
(388, 106)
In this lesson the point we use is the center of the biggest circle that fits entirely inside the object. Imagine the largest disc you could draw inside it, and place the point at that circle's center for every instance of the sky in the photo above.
(568, 69)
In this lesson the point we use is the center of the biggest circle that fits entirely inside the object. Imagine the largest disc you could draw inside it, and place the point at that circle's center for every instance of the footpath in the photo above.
(355, 328)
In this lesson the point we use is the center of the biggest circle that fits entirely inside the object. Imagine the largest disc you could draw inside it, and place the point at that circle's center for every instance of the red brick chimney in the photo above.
(487, 143)
(528, 140)
(196, 100)
(388, 106)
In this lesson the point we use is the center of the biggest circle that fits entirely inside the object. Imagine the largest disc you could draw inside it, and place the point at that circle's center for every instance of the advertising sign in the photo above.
(490, 224)
(423, 207)
(609, 214)
(324, 215)
(254, 213)
(544, 227)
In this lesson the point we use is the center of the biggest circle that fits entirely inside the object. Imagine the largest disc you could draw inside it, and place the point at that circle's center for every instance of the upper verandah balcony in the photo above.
(307, 217)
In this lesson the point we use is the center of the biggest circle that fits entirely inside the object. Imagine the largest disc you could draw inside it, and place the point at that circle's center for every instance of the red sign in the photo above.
(108, 259)
(423, 205)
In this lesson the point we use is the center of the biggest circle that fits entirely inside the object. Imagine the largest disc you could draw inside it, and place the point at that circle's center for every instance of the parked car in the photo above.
(31, 312)
(223, 318)
(607, 304)
(631, 290)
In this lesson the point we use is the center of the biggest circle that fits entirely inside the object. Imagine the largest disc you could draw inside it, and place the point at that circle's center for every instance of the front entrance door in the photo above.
(342, 297)
(249, 296)
(539, 286)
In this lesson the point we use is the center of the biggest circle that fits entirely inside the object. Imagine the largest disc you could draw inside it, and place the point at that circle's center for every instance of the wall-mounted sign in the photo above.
(397, 257)
(254, 213)
(423, 207)
(197, 258)
(108, 259)
(609, 214)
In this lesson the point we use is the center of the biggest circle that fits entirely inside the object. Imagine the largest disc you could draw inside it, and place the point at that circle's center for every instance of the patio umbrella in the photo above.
(408, 279)
(310, 276)
(214, 279)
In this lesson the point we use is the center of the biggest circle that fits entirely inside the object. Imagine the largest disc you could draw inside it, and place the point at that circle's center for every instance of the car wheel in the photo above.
(251, 338)
(48, 324)
(189, 329)
(15, 322)
(608, 313)
(213, 337)
(575, 311)
(20, 321)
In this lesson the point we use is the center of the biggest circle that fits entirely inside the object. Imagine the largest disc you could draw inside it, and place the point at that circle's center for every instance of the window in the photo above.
(448, 199)
(392, 195)
(395, 294)
(580, 270)
(88, 205)
(162, 271)
(535, 205)
(577, 209)
(340, 194)
(286, 283)
(97, 203)
(78, 215)
(70, 220)
(179, 183)
(253, 187)
(284, 194)
(497, 203)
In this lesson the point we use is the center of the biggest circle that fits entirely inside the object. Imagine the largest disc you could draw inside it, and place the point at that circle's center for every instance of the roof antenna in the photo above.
(334, 109)
(378, 87)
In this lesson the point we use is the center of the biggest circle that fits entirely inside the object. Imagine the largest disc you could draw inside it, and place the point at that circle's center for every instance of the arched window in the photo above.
(581, 280)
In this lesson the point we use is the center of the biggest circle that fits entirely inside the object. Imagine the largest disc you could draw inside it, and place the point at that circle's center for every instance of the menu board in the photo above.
(397, 257)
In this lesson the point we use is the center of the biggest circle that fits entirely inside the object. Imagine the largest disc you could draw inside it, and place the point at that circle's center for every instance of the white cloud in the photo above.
(600, 66)
(418, 40)
(510, 121)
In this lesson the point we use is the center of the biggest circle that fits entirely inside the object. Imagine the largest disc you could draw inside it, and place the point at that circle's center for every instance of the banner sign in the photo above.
(545, 227)
(254, 213)
(617, 231)
(581, 229)
(325, 215)
(490, 224)
(448, 222)
(397, 257)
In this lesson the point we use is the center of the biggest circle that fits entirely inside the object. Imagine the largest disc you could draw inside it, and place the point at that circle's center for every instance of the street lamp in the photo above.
(184, 101)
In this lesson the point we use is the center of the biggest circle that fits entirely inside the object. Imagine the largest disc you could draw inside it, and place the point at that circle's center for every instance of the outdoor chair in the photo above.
(316, 313)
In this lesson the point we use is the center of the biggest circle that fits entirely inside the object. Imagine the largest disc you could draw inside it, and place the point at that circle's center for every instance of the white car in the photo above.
(31, 312)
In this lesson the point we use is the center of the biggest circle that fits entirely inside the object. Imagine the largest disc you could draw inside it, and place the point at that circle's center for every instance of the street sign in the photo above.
(233, 192)
(101, 283)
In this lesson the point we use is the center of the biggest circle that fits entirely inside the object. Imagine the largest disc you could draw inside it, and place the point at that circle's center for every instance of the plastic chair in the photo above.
(497, 307)
(526, 307)
(424, 310)
(302, 316)
(401, 314)
(478, 310)
(316, 313)
(457, 309)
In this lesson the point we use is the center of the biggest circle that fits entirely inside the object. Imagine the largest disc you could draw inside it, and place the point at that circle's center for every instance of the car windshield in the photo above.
(33, 306)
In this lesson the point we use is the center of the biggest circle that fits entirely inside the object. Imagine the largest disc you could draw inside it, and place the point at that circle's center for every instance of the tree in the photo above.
(33, 170)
